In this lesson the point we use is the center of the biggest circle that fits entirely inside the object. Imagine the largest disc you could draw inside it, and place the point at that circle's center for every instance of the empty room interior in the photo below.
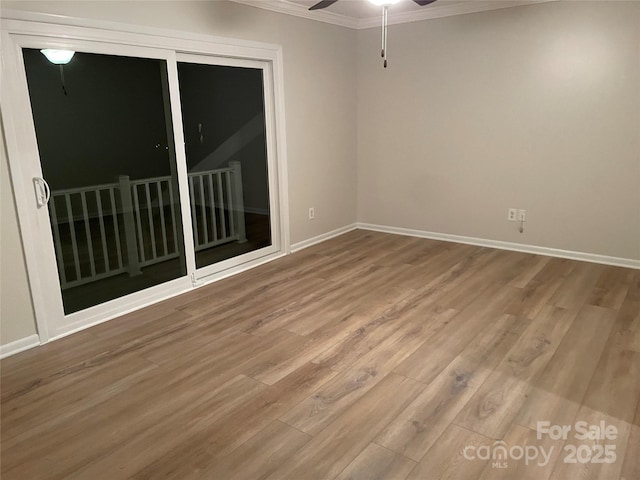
(302, 240)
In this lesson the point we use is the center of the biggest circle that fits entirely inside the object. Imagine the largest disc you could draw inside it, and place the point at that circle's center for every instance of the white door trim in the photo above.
(17, 30)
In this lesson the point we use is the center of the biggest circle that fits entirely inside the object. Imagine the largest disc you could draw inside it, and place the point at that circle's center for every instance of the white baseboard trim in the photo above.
(296, 247)
(19, 346)
(516, 247)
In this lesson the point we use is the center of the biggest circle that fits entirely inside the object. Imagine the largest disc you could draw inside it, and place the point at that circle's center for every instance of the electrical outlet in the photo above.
(312, 213)
(522, 215)
(512, 214)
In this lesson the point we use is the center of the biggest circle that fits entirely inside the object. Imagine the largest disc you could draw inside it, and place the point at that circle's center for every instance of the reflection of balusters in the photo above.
(58, 243)
(237, 202)
(163, 226)
(223, 222)
(103, 234)
(194, 217)
(87, 229)
(212, 206)
(74, 240)
(116, 229)
(152, 228)
(133, 264)
(80, 206)
(203, 210)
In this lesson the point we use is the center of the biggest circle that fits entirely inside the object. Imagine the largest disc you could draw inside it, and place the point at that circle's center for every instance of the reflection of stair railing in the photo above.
(217, 207)
(152, 221)
(85, 253)
(105, 230)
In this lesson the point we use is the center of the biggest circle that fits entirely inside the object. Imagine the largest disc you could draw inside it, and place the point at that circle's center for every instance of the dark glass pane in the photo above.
(225, 139)
(104, 133)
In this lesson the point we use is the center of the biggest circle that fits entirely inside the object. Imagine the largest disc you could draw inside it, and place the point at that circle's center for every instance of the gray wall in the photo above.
(535, 107)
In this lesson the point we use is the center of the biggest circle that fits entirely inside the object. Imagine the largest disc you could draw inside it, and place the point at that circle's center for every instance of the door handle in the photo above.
(43, 192)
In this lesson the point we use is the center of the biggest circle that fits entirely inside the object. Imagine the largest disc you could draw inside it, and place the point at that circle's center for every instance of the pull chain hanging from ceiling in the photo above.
(385, 19)
(385, 4)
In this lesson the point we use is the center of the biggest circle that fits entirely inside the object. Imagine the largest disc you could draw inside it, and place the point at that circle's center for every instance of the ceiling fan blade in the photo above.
(323, 4)
(422, 3)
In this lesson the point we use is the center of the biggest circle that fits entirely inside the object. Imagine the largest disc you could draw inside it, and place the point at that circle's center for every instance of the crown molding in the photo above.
(290, 8)
(444, 10)
(434, 11)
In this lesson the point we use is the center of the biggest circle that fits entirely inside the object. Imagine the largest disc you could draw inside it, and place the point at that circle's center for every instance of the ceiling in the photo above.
(360, 9)
(363, 14)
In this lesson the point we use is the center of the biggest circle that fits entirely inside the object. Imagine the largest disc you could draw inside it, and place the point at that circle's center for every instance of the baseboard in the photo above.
(19, 346)
(516, 247)
(296, 247)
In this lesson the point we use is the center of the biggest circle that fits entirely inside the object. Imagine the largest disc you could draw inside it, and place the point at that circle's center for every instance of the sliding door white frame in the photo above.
(40, 31)
(202, 274)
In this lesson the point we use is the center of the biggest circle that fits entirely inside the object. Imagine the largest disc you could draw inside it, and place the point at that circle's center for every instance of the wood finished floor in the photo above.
(367, 356)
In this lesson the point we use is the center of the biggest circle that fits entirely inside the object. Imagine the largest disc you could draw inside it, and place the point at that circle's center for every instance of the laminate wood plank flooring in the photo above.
(493, 407)
(418, 427)
(368, 356)
(558, 392)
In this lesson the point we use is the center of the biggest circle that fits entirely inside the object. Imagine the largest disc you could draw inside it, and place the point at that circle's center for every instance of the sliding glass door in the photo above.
(105, 138)
(155, 170)
(225, 133)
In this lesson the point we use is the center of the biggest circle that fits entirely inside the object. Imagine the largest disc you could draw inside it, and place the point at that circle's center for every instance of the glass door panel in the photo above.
(105, 139)
(223, 116)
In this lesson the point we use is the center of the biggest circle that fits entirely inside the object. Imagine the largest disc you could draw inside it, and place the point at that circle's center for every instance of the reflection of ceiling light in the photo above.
(382, 3)
(58, 57)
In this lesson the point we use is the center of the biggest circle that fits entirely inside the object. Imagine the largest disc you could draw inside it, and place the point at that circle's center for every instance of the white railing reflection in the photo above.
(105, 230)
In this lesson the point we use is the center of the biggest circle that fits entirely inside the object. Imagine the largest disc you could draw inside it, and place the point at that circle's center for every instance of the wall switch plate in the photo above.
(312, 213)
(512, 214)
